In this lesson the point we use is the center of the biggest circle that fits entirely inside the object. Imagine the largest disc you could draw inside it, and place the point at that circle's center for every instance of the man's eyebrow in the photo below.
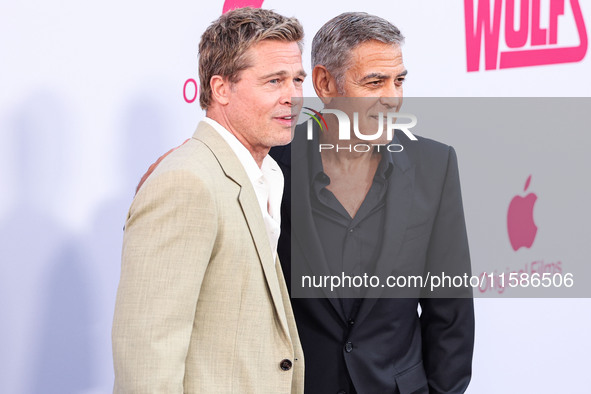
(375, 76)
(283, 74)
(382, 76)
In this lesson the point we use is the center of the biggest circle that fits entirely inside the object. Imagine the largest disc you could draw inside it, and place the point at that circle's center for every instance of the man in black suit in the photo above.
(375, 211)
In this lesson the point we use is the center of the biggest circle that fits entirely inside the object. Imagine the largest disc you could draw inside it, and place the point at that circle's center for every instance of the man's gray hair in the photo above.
(333, 43)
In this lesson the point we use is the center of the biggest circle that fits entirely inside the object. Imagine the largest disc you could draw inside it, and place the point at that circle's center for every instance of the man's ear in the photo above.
(324, 84)
(220, 89)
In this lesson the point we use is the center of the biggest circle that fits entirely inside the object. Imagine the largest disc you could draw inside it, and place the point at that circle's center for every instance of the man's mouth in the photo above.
(286, 121)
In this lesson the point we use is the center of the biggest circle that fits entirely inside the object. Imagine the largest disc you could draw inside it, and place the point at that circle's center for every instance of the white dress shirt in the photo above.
(267, 182)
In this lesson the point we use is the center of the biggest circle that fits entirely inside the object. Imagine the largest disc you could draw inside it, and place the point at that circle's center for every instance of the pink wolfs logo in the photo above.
(529, 44)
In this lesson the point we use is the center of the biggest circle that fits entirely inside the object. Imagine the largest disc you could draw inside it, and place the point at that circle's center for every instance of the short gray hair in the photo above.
(333, 43)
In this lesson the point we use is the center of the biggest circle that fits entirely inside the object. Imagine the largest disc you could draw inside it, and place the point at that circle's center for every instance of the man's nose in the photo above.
(289, 93)
(391, 102)
(392, 96)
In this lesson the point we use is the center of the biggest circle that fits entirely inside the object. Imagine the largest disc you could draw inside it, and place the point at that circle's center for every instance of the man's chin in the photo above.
(382, 140)
(283, 137)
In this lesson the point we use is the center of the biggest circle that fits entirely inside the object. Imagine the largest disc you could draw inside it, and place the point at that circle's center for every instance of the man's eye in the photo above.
(375, 83)
(274, 81)
(298, 81)
(400, 80)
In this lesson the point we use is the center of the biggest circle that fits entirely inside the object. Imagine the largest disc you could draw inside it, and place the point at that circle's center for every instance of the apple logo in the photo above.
(520, 220)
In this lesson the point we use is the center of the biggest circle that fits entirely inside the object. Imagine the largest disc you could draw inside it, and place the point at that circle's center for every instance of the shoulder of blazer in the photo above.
(205, 156)
(192, 159)
(423, 146)
(222, 152)
(424, 152)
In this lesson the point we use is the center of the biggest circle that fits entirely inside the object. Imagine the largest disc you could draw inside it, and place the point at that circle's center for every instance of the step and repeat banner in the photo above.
(92, 93)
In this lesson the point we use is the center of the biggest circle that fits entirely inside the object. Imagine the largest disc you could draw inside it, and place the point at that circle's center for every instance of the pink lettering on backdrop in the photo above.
(232, 4)
(483, 26)
(538, 35)
(480, 26)
(196, 90)
(517, 38)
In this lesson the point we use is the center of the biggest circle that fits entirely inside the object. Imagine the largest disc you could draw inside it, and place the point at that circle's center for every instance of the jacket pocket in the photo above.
(412, 379)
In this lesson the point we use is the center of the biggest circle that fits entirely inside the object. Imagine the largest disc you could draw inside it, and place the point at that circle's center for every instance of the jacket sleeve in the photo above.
(447, 324)
(169, 237)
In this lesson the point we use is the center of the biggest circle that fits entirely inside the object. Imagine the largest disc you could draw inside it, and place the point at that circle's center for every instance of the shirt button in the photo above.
(348, 347)
(341, 392)
(351, 230)
(285, 364)
(351, 322)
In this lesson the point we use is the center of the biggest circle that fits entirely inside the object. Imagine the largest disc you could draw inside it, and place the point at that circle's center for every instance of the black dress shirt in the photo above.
(351, 245)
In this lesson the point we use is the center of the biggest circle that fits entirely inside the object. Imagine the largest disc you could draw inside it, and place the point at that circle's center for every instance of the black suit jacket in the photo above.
(388, 348)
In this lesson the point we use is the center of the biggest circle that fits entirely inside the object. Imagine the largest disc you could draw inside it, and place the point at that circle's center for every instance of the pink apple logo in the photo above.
(520, 220)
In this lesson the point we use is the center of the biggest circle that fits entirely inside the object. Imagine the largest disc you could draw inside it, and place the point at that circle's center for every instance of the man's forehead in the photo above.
(274, 48)
(373, 56)
(376, 50)
(270, 53)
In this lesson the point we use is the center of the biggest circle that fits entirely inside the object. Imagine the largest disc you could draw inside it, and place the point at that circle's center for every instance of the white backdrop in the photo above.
(92, 92)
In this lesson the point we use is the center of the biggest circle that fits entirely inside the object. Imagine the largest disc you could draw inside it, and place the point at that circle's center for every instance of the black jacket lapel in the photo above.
(304, 234)
(398, 205)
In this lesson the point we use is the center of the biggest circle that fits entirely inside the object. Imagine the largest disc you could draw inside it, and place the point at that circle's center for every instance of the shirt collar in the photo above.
(383, 171)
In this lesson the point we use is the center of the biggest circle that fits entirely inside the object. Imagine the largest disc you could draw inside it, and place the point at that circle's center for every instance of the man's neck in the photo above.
(346, 158)
(257, 152)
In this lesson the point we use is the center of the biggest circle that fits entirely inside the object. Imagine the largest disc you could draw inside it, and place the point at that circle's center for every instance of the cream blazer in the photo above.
(201, 305)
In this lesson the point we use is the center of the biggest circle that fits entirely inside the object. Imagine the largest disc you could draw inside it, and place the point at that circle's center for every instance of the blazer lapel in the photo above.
(251, 210)
(398, 205)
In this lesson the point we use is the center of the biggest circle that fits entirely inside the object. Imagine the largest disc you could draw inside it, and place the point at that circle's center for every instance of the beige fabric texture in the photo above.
(201, 305)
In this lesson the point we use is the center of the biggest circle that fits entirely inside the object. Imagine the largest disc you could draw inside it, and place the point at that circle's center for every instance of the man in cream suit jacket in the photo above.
(202, 305)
